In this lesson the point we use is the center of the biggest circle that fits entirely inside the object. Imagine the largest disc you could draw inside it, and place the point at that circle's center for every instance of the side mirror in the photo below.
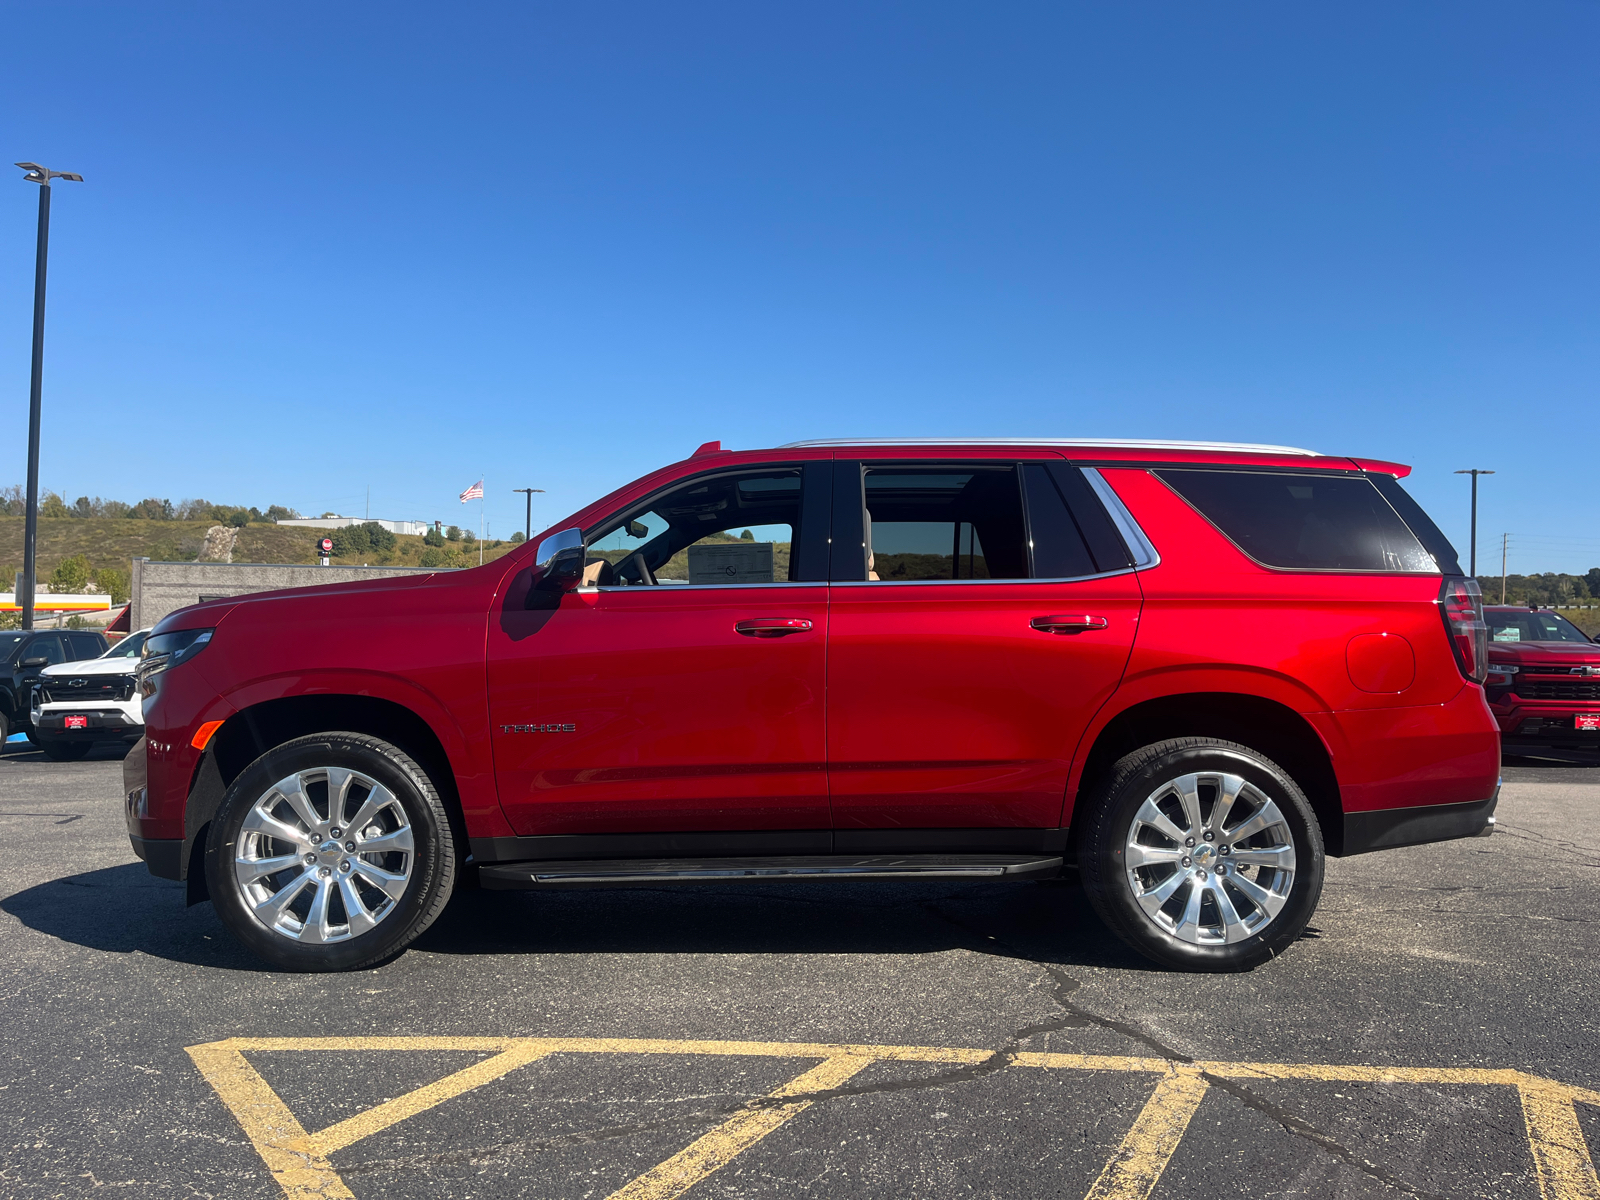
(560, 560)
(37, 661)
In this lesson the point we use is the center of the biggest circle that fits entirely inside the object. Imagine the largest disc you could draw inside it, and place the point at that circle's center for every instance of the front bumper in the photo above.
(1544, 720)
(100, 723)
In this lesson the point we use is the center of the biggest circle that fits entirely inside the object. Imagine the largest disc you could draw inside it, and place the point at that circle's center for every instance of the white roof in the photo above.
(1088, 443)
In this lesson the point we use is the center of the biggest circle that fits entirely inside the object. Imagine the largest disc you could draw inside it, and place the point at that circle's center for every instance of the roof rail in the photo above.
(1092, 443)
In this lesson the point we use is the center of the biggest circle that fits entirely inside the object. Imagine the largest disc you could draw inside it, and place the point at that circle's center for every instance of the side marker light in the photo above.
(202, 736)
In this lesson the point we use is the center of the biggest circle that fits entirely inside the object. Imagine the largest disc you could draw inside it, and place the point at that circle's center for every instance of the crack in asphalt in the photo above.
(1066, 985)
(1071, 1017)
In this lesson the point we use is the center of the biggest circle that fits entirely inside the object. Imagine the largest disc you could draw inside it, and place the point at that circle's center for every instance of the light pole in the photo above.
(30, 535)
(1473, 569)
(528, 532)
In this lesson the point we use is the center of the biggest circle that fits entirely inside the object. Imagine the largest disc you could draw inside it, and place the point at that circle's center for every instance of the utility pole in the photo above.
(528, 532)
(1475, 472)
(1505, 540)
(30, 534)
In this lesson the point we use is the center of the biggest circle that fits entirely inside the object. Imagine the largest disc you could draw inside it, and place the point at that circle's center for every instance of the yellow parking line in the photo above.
(1560, 1154)
(1135, 1168)
(268, 1123)
(719, 1147)
(299, 1160)
(348, 1132)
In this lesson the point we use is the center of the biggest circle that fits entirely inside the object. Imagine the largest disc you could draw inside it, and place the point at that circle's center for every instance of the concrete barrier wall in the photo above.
(163, 587)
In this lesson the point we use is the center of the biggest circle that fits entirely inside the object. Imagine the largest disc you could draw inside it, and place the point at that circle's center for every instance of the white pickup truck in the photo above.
(76, 704)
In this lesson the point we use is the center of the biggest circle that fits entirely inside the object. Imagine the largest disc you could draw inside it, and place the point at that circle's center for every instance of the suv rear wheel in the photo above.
(330, 853)
(1203, 855)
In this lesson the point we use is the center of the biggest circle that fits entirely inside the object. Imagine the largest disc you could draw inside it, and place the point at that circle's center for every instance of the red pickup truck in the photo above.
(1190, 670)
(1544, 677)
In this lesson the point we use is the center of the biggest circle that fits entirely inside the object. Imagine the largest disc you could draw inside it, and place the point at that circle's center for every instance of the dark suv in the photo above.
(23, 654)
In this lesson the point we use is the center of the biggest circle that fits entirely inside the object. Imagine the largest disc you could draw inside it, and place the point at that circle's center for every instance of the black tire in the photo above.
(64, 751)
(430, 863)
(1110, 816)
(5, 728)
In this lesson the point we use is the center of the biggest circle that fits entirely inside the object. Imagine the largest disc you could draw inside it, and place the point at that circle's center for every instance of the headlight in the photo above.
(169, 650)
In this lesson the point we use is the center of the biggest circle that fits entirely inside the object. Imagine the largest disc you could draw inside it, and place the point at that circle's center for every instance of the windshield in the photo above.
(129, 646)
(1531, 627)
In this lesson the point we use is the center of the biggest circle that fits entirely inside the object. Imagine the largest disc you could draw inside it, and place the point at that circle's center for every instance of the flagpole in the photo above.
(481, 503)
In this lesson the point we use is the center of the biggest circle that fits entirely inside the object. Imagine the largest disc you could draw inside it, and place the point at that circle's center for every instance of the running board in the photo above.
(654, 872)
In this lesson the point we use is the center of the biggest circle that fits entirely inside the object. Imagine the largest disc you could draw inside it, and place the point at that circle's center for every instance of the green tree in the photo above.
(84, 507)
(468, 538)
(279, 513)
(379, 538)
(70, 575)
(432, 556)
(151, 509)
(52, 505)
(239, 518)
(113, 583)
(350, 540)
(518, 537)
(433, 538)
(452, 534)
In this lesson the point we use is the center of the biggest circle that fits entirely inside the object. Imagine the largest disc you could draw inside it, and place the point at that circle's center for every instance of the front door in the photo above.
(680, 689)
(980, 636)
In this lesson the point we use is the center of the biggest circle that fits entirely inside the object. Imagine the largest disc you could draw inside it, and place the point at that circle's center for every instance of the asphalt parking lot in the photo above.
(1436, 1033)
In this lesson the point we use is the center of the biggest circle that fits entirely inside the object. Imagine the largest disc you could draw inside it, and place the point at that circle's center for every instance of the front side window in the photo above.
(128, 647)
(1302, 521)
(1531, 627)
(938, 522)
(47, 647)
(734, 528)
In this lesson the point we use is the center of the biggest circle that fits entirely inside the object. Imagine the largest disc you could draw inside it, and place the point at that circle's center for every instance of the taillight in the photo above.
(1462, 605)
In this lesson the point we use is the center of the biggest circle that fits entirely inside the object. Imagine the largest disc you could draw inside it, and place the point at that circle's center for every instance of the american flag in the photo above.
(475, 492)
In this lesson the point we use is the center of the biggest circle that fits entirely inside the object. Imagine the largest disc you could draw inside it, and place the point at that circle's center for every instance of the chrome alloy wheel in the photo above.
(324, 855)
(1210, 858)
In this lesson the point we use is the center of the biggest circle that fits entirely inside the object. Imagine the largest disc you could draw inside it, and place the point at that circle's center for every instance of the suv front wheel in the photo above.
(330, 853)
(1203, 855)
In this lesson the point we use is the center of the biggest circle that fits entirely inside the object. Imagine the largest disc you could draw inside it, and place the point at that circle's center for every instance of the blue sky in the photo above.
(326, 247)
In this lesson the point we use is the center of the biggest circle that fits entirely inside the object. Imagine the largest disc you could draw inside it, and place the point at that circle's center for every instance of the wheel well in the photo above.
(251, 732)
(1275, 730)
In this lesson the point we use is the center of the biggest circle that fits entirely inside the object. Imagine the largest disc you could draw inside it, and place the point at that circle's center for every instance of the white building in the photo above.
(414, 528)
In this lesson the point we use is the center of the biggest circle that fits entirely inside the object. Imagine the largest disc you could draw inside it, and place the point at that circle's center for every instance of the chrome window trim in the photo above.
(1089, 443)
(1144, 554)
(881, 583)
(873, 583)
(702, 587)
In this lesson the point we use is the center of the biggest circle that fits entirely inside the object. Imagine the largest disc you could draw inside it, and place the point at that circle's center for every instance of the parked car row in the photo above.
(67, 689)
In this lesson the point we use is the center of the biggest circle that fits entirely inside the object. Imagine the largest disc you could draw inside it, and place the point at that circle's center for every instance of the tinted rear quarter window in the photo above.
(1304, 522)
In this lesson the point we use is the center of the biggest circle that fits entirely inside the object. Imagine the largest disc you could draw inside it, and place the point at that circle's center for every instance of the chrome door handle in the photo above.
(772, 627)
(1073, 624)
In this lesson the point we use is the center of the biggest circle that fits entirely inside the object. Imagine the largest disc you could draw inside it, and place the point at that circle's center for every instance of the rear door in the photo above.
(681, 689)
(988, 616)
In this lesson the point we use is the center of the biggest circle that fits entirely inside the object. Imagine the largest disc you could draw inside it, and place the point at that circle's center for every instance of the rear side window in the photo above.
(938, 522)
(1057, 544)
(85, 645)
(1305, 522)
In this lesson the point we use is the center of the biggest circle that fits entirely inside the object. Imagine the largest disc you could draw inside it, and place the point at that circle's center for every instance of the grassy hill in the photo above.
(114, 542)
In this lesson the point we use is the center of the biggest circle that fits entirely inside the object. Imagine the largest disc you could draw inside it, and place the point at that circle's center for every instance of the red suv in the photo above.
(1544, 677)
(1189, 669)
